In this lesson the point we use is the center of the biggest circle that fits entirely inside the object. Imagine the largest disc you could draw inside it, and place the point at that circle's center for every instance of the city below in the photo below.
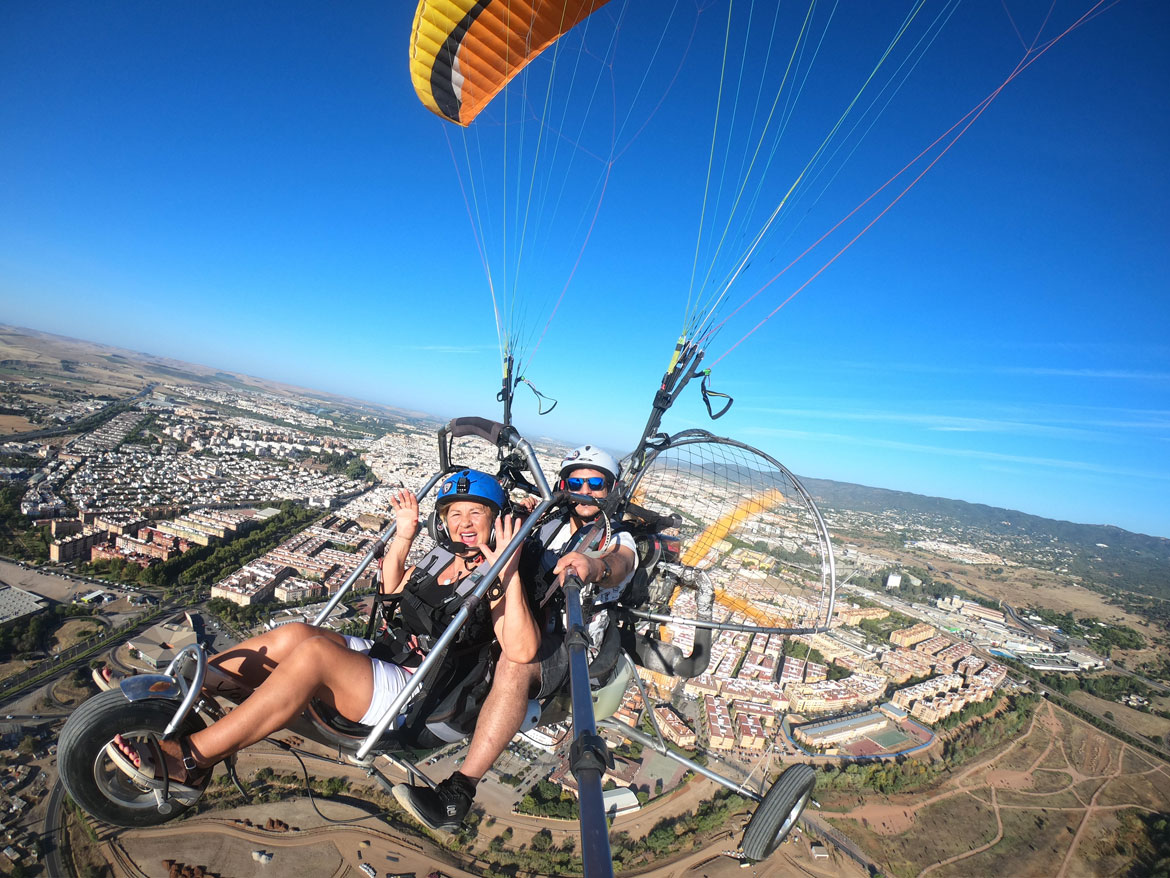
(152, 505)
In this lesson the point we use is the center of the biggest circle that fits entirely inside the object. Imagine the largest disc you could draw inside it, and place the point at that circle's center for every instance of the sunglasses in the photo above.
(595, 483)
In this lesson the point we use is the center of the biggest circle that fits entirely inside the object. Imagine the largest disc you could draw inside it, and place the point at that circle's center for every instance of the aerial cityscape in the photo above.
(132, 489)
(525, 438)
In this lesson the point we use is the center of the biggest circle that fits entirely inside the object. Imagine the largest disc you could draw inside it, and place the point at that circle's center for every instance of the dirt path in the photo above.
(1102, 765)
(1089, 811)
(320, 849)
(998, 838)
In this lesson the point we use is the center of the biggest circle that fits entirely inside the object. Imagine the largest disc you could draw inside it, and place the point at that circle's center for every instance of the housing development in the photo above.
(289, 496)
(214, 464)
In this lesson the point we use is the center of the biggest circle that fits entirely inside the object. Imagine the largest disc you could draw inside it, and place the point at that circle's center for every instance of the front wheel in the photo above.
(94, 782)
(778, 812)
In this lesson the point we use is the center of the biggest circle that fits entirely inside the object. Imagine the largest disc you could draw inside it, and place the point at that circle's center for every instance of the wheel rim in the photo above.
(120, 789)
(789, 821)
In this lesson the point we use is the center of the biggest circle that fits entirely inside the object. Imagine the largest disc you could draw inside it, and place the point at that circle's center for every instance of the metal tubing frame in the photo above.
(828, 565)
(191, 693)
(194, 691)
(596, 854)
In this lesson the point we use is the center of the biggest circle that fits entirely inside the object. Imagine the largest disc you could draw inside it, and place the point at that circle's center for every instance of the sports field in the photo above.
(892, 739)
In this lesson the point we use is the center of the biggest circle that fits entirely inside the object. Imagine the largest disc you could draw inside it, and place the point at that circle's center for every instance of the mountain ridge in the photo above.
(1102, 554)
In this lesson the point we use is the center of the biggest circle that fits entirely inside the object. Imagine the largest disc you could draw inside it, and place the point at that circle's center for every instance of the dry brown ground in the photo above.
(75, 630)
(1030, 586)
(7, 669)
(215, 841)
(1126, 717)
(790, 861)
(96, 373)
(1024, 586)
(66, 634)
(14, 424)
(1019, 586)
(212, 840)
(1044, 805)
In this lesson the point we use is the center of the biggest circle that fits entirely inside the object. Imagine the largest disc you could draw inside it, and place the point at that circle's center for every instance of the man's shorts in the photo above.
(553, 656)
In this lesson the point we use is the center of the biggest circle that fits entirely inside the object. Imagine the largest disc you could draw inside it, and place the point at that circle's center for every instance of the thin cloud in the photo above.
(1106, 374)
(950, 423)
(1070, 422)
(964, 453)
(936, 368)
(1097, 349)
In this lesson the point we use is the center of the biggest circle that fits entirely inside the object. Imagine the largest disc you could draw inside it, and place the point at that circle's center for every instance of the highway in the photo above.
(54, 826)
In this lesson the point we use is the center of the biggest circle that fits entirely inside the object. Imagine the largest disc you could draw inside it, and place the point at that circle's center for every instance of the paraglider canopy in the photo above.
(463, 52)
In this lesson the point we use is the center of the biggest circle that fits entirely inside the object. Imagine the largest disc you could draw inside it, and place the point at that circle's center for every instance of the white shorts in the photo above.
(389, 680)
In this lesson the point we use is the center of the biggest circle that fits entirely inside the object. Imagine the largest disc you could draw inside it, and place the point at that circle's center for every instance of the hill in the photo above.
(1100, 555)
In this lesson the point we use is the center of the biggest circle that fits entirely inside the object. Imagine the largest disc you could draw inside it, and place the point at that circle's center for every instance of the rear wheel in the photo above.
(778, 812)
(94, 782)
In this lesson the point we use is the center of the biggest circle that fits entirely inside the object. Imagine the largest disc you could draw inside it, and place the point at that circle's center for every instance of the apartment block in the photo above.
(914, 634)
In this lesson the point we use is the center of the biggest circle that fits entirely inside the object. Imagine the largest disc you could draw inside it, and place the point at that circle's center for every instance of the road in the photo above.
(1153, 684)
(1121, 669)
(89, 422)
(54, 826)
(1027, 626)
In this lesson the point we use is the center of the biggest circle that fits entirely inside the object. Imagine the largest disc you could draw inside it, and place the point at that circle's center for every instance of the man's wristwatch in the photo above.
(606, 572)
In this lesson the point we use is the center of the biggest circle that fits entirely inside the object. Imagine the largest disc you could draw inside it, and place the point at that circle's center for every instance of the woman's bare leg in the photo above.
(251, 661)
(318, 667)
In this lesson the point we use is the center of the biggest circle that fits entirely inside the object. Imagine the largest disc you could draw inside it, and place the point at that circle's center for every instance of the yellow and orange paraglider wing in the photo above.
(710, 539)
(463, 52)
(715, 533)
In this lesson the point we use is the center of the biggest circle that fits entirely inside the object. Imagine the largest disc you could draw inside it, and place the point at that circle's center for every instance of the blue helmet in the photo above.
(473, 485)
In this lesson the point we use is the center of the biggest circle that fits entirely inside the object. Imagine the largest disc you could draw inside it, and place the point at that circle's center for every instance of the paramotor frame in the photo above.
(747, 522)
(155, 707)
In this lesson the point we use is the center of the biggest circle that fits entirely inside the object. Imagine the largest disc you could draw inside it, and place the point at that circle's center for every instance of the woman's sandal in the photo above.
(104, 682)
(146, 773)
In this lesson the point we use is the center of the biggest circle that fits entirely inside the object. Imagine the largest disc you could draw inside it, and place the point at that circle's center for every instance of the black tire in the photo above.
(93, 781)
(778, 812)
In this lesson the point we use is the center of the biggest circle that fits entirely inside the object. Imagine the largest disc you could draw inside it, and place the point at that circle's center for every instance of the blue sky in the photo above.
(255, 187)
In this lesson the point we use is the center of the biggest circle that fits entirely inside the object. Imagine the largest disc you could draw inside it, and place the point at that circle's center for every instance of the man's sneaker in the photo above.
(441, 809)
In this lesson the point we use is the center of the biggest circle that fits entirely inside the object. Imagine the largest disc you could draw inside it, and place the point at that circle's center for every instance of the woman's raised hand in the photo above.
(405, 506)
(505, 527)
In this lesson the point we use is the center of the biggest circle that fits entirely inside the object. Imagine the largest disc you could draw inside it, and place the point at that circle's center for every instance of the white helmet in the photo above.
(592, 457)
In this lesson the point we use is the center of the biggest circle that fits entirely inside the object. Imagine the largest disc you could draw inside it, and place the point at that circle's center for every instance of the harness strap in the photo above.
(583, 535)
